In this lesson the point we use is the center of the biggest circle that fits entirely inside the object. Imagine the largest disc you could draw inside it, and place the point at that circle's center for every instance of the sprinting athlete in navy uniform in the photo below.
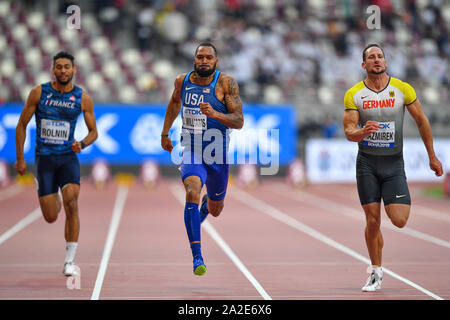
(210, 105)
(56, 106)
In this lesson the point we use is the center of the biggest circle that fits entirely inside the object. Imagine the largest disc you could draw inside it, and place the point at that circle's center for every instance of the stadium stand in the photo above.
(303, 52)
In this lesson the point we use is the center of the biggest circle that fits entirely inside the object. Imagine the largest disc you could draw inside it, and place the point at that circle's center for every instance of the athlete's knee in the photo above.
(50, 217)
(398, 214)
(216, 209)
(192, 195)
(373, 224)
(71, 205)
(399, 222)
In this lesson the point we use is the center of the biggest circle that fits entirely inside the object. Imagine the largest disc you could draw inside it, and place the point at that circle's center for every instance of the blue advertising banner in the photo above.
(130, 133)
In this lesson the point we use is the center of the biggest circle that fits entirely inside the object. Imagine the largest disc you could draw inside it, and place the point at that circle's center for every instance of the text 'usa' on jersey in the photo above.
(56, 116)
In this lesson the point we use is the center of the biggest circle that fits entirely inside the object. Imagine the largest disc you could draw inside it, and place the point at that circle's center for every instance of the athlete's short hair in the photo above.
(370, 46)
(206, 44)
(63, 54)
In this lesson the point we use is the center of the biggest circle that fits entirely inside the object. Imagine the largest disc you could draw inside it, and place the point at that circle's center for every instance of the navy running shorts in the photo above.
(381, 177)
(56, 171)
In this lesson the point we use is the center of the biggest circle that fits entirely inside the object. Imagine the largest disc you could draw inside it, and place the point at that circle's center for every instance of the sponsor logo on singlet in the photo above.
(194, 119)
(383, 138)
(55, 131)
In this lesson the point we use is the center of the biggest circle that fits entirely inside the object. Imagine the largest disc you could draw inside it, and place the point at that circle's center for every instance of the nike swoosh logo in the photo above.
(364, 97)
(187, 89)
(218, 194)
(401, 196)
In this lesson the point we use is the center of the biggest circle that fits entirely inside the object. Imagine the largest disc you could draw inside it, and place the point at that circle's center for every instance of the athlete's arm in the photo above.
(173, 109)
(352, 132)
(21, 129)
(234, 118)
(415, 109)
(87, 106)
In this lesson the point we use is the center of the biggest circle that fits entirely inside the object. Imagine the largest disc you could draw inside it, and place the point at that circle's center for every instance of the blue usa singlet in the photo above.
(194, 121)
(56, 116)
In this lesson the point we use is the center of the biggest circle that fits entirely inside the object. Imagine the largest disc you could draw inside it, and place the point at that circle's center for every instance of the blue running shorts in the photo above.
(214, 176)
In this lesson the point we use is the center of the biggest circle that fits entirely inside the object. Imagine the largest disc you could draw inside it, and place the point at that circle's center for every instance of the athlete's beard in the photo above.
(64, 82)
(204, 73)
(378, 72)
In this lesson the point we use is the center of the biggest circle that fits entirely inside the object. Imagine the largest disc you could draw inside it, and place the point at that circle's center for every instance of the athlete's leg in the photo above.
(50, 206)
(215, 207)
(193, 176)
(374, 239)
(398, 213)
(49, 199)
(193, 186)
(70, 193)
(396, 197)
(216, 186)
(369, 191)
(68, 177)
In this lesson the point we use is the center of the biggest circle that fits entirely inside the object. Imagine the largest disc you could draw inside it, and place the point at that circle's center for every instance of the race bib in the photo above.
(383, 138)
(55, 131)
(193, 119)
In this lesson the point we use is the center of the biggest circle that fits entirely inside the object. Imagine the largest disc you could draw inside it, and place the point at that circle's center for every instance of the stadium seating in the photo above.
(307, 53)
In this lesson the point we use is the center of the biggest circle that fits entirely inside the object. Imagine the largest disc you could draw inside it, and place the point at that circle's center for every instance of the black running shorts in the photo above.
(381, 177)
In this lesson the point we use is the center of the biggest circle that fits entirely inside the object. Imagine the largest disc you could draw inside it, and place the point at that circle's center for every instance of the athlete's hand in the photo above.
(76, 146)
(370, 127)
(20, 166)
(436, 166)
(166, 144)
(207, 109)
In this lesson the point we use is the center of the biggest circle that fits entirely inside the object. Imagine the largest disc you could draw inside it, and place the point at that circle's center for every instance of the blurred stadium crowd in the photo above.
(303, 52)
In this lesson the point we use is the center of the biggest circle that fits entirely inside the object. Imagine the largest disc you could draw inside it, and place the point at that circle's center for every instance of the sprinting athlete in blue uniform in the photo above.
(56, 106)
(210, 105)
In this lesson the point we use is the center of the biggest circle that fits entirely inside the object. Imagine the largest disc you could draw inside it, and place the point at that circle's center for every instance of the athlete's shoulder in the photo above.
(86, 97)
(407, 90)
(181, 76)
(179, 80)
(36, 91)
(357, 87)
(225, 77)
(349, 101)
(226, 81)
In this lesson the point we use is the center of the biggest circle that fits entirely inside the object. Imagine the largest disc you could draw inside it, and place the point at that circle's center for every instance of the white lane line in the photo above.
(255, 263)
(429, 213)
(30, 218)
(416, 209)
(263, 207)
(178, 193)
(119, 204)
(10, 192)
(334, 207)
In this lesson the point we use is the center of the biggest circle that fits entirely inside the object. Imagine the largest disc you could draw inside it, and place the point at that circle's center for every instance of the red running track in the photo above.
(271, 242)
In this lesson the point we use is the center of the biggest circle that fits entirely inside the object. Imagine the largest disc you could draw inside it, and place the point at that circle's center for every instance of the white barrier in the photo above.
(334, 160)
